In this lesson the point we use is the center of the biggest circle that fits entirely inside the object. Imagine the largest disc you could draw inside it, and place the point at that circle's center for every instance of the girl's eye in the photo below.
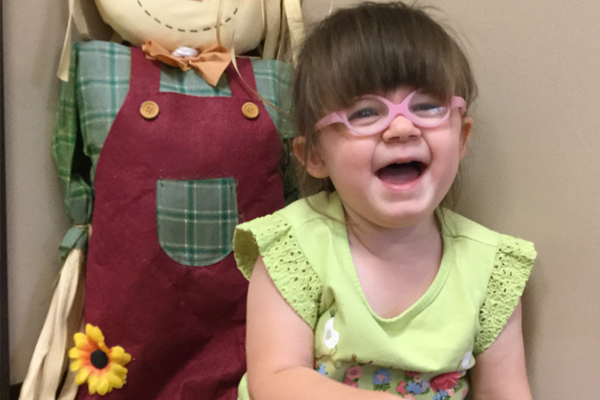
(429, 110)
(427, 106)
(366, 111)
(363, 113)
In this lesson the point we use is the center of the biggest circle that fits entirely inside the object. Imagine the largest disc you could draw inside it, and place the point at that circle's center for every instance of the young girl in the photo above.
(369, 288)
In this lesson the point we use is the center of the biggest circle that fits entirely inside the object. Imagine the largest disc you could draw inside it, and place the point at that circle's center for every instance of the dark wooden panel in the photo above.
(4, 370)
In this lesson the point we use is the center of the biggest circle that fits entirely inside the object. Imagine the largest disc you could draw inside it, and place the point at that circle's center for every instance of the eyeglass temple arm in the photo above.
(459, 102)
(328, 120)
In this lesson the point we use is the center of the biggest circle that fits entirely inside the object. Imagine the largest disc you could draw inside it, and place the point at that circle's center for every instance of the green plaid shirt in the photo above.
(90, 100)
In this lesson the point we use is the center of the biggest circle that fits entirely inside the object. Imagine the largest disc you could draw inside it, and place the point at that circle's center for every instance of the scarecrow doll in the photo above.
(164, 141)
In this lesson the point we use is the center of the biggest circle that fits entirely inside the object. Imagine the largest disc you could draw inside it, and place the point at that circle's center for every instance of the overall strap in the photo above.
(145, 74)
(236, 81)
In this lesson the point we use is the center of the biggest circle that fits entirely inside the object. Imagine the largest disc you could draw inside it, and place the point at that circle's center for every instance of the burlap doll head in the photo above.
(187, 27)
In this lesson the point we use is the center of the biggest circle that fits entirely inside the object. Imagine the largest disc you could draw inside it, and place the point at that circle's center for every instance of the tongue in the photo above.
(398, 174)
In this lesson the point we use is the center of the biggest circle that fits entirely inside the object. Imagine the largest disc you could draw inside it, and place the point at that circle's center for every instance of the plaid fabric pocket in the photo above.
(196, 219)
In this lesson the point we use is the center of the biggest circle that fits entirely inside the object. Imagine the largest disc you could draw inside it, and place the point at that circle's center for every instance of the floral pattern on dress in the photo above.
(353, 374)
(467, 361)
(320, 368)
(412, 384)
(331, 337)
(443, 386)
(381, 379)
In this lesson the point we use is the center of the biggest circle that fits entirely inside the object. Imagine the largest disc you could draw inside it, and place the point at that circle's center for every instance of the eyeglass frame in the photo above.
(393, 111)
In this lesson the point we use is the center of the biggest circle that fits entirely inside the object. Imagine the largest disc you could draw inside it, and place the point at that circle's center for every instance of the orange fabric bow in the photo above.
(209, 64)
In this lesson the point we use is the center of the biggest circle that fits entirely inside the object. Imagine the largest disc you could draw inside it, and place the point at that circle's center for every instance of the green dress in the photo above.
(425, 352)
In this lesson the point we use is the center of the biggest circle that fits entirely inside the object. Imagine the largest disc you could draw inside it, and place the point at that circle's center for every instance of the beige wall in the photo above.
(33, 36)
(36, 221)
(532, 170)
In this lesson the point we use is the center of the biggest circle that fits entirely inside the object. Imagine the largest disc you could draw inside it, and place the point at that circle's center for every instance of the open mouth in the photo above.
(401, 173)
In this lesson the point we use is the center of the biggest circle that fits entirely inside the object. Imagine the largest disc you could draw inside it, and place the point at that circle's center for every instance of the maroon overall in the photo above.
(184, 326)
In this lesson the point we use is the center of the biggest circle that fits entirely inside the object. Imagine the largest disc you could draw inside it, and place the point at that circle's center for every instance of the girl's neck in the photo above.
(394, 244)
(395, 267)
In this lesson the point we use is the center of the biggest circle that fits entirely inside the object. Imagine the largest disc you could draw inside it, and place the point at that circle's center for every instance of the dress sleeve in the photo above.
(511, 270)
(273, 238)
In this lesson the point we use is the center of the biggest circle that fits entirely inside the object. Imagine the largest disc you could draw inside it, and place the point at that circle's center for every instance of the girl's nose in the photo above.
(401, 129)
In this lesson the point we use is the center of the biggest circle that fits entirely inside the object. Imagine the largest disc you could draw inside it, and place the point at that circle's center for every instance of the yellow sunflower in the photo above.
(102, 368)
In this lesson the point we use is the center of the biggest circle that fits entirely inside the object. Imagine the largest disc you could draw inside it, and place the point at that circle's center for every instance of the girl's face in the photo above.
(397, 177)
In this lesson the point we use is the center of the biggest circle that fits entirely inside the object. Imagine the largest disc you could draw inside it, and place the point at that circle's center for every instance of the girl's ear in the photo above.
(313, 162)
(465, 133)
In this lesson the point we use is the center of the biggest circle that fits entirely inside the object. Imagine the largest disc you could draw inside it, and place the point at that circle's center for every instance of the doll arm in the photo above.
(280, 350)
(499, 372)
(282, 117)
(72, 165)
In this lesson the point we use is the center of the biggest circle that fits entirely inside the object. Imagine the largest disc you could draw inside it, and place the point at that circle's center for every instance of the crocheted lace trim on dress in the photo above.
(511, 270)
(289, 268)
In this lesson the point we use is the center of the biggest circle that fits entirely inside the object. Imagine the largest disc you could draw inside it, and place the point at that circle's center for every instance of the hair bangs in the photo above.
(373, 50)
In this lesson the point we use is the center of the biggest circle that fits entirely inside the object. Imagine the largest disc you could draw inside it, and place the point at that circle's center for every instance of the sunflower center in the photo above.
(99, 359)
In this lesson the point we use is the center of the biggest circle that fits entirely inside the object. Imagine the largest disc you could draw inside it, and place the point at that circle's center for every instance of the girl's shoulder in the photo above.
(280, 239)
(474, 241)
(319, 209)
(498, 266)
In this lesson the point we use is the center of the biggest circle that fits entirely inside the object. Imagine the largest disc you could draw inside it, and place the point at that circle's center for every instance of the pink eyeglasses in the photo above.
(370, 114)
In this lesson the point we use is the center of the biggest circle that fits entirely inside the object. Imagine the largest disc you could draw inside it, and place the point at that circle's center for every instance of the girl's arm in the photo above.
(280, 350)
(499, 373)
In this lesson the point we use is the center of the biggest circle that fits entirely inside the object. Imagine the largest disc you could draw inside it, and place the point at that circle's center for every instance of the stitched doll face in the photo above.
(185, 23)
(398, 176)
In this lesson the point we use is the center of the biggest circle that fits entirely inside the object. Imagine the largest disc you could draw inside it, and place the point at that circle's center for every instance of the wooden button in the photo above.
(250, 110)
(149, 110)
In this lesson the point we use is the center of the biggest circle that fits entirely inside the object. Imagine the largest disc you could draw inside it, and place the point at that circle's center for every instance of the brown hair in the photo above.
(372, 48)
